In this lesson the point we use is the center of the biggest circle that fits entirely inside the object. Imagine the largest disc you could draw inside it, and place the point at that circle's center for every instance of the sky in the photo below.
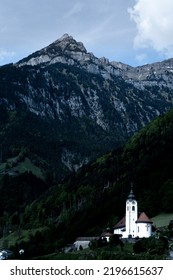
(135, 32)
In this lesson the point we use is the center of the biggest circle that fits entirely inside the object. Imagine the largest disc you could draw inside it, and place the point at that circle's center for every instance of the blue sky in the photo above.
(134, 32)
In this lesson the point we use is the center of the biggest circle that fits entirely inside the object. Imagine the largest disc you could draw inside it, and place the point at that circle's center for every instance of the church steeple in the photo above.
(131, 214)
(131, 194)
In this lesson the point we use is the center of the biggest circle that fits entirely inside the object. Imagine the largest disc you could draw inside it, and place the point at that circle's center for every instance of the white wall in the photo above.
(144, 230)
(119, 231)
(84, 244)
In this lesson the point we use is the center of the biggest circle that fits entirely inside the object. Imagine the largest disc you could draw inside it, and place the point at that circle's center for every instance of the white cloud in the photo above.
(6, 55)
(154, 22)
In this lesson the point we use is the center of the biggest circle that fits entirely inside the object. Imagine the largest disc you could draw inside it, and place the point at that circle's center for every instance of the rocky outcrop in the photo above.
(105, 101)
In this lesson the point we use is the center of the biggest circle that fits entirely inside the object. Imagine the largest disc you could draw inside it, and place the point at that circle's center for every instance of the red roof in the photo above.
(143, 218)
(121, 223)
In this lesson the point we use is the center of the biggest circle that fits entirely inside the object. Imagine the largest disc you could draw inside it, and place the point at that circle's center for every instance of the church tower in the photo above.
(131, 215)
(132, 225)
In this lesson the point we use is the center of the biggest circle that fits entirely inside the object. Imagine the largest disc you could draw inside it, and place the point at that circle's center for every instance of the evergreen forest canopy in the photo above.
(93, 198)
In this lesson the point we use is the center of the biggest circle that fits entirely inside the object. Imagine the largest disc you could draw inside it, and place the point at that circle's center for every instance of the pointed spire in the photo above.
(131, 195)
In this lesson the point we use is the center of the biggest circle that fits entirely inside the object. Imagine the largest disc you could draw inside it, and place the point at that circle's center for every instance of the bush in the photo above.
(151, 245)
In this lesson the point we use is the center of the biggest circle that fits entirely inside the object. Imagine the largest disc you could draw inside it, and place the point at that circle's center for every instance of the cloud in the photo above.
(6, 55)
(154, 22)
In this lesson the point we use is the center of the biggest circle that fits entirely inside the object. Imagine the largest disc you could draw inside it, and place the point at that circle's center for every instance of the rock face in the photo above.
(88, 97)
(67, 51)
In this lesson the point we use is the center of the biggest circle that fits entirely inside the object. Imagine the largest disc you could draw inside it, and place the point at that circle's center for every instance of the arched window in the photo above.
(133, 208)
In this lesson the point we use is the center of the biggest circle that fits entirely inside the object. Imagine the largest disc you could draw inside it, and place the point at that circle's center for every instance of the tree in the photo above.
(115, 241)
(151, 245)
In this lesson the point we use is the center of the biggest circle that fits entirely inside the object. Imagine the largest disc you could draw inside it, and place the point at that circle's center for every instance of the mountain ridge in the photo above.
(67, 43)
(79, 94)
(158, 74)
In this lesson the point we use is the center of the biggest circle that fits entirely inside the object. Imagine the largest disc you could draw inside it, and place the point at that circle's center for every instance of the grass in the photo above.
(25, 165)
(18, 236)
(61, 256)
(105, 253)
(162, 220)
(91, 254)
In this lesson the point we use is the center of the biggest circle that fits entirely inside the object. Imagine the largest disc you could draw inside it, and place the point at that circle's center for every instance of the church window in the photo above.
(127, 208)
(133, 208)
(138, 229)
(147, 227)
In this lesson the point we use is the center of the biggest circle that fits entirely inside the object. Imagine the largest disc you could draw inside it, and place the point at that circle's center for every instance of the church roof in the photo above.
(143, 218)
(121, 223)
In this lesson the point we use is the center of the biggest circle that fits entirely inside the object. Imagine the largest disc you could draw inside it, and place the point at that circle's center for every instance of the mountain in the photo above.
(64, 107)
(93, 198)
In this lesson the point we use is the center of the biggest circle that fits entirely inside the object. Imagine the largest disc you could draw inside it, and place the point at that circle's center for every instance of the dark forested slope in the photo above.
(94, 197)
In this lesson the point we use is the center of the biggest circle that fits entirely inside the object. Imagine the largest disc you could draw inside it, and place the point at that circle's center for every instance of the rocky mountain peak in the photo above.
(67, 42)
(66, 36)
(65, 50)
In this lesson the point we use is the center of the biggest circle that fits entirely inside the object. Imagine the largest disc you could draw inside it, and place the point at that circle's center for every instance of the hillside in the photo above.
(93, 199)
(162, 220)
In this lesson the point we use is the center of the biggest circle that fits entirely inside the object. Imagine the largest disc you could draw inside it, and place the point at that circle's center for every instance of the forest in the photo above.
(92, 199)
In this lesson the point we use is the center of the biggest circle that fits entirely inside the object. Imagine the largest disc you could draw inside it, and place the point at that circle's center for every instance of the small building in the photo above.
(106, 235)
(133, 224)
(84, 242)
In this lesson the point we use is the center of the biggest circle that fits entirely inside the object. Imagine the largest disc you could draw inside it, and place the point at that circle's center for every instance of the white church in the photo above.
(133, 225)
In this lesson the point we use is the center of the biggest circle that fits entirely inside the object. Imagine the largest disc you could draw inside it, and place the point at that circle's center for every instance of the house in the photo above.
(83, 242)
(133, 224)
(106, 235)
